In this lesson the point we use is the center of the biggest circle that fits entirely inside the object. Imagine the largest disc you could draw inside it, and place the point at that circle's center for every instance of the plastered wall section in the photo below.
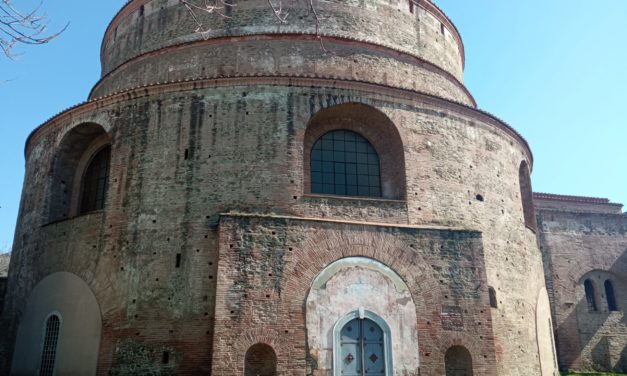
(244, 152)
(577, 246)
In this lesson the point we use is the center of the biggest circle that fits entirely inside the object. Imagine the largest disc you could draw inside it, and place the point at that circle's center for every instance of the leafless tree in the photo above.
(18, 27)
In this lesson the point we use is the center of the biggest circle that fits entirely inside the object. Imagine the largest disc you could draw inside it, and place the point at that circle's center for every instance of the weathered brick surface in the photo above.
(267, 266)
(585, 240)
(185, 152)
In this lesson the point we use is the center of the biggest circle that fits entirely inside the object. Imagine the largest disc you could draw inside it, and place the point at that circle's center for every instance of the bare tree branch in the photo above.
(17, 27)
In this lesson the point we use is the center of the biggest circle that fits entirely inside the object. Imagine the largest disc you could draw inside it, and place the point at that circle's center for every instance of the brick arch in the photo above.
(71, 158)
(272, 338)
(322, 250)
(373, 125)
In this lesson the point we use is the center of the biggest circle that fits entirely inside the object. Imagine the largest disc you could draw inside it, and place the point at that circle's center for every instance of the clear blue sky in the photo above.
(554, 70)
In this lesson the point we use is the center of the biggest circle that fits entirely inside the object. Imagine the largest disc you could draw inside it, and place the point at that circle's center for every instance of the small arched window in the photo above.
(458, 361)
(526, 196)
(260, 360)
(49, 347)
(609, 294)
(492, 293)
(345, 163)
(590, 295)
(96, 181)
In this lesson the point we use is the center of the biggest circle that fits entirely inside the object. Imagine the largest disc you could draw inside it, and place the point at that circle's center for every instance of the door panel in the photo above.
(362, 349)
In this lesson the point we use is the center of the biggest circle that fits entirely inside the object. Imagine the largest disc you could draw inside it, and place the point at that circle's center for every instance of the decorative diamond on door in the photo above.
(361, 343)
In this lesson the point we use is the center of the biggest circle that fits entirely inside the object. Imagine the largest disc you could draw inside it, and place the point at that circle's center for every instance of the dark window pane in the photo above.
(344, 163)
(95, 182)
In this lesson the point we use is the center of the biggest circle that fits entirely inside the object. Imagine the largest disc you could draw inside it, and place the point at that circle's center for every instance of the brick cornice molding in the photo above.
(376, 91)
(340, 40)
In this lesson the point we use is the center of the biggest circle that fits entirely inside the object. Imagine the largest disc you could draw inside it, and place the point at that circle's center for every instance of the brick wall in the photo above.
(581, 243)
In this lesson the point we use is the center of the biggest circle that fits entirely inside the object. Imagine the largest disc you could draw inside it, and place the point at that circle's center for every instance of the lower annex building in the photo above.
(246, 202)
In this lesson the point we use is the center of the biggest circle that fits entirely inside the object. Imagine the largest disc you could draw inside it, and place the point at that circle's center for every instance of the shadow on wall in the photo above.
(594, 335)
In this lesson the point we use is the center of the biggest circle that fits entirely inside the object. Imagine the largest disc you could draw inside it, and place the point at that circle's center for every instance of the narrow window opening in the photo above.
(141, 11)
(590, 298)
(178, 260)
(411, 6)
(96, 181)
(49, 348)
(493, 300)
(442, 28)
(186, 154)
(611, 298)
(165, 358)
(526, 196)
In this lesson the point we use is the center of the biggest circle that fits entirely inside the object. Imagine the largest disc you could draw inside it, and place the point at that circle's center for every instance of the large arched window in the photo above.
(590, 295)
(458, 361)
(345, 163)
(526, 196)
(79, 173)
(49, 346)
(96, 181)
(260, 360)
(353, 149)
(609, 295)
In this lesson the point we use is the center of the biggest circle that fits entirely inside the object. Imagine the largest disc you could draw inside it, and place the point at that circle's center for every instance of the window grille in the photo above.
(49, 349)
(592, 304)
(345, 163)
(96, 182)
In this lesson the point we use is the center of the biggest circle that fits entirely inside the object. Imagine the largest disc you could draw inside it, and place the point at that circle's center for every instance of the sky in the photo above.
(554, 70)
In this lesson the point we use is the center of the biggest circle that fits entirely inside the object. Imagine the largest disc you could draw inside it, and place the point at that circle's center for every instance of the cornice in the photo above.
(409, 97)
(389, 50)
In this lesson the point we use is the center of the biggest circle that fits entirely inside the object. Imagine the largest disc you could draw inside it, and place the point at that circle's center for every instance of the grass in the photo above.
(573, 373)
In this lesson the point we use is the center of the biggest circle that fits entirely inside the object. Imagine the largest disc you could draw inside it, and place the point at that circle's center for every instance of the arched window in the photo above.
(260, 361)
(458, 361)
(492, 293)
(526, 195)
(77, 179)
(609, 294)
(590, 296)
(49, 348)
(96, 181)
(345, 163)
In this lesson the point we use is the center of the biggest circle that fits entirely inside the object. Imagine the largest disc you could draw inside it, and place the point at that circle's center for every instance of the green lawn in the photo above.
(590, 374)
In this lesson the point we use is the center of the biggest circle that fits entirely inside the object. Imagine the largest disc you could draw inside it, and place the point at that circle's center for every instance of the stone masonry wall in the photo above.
(577, 246)
(180, 157)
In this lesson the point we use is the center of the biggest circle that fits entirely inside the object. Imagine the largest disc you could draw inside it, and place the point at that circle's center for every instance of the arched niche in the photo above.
(544, 333)
(458, 361)
(526, 196)
(371, 124)
(260, 360)
(67, 296)
(359, 286)
(72, 157)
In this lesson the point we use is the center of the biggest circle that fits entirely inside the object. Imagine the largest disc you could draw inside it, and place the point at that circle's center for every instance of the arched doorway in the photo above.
(458, 361)
(260, 361)
(362, 348)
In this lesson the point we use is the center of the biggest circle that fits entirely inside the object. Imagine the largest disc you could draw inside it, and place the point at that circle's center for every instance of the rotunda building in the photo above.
(269, 198)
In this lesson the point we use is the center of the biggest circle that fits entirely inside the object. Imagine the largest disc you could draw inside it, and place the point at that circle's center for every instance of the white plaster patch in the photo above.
(360, 283)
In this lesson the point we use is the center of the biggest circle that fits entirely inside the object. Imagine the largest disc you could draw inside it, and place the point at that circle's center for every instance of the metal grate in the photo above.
(49, 350)
(96, 181)
(345, 163)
